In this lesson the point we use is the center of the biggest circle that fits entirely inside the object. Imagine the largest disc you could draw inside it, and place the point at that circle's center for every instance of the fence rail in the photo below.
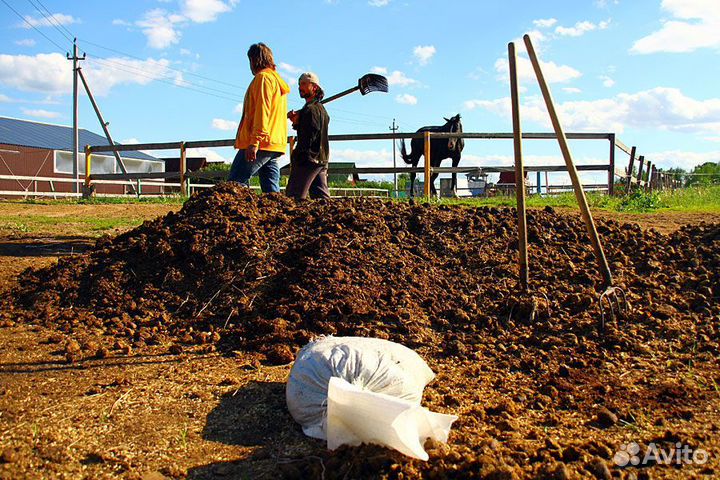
(427, 170)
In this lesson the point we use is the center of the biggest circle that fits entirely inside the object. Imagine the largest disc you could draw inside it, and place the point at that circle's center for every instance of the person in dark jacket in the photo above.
(309, 160)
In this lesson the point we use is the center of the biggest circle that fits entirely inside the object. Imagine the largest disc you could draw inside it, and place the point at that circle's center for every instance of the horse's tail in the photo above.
(403, 152)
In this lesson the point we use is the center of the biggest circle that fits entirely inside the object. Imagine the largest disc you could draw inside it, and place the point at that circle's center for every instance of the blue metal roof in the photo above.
(53, 137)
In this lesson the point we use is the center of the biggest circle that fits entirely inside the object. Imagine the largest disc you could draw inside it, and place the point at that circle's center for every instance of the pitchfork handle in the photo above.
(572, 171)
(341, 94)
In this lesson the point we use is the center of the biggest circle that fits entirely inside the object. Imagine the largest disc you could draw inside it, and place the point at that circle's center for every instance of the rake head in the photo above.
(372, 82)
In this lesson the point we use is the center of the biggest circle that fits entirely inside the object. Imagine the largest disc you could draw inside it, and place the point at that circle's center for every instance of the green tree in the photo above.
(706, 174)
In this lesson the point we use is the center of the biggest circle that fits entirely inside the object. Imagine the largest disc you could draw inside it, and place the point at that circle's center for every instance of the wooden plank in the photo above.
(361, 136)
(631, 165)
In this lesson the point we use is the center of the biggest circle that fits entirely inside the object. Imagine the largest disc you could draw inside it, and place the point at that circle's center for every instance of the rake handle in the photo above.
(341, 94)
(567, 156)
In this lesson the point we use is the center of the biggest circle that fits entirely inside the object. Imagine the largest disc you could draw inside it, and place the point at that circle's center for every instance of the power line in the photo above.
(139, 71)
(113, 65)
(51, 20)
(169, 68)
(33, 26)
(56, 21)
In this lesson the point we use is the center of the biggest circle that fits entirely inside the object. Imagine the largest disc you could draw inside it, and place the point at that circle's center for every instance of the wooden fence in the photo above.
(427, 170)
(648, 177)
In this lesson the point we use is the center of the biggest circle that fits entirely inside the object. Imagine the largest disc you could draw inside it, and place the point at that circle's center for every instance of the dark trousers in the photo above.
(307, 177)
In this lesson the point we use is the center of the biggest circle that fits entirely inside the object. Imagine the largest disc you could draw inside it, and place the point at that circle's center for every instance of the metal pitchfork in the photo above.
(613, 296)
(520, 190)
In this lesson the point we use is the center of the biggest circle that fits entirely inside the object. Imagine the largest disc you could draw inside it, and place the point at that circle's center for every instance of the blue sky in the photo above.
(168, 70)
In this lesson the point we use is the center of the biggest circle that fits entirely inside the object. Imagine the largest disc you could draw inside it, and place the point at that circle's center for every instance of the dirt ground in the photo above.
(148, 412)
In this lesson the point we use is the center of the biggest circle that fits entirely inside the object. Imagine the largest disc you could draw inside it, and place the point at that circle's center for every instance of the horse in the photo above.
(440, 149)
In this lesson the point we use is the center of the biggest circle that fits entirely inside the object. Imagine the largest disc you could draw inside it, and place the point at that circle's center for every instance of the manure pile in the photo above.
(264, 274)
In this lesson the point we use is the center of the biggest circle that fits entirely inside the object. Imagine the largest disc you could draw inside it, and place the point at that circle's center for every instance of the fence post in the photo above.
(88, 189)
(183, 168)
(641, 159)
(427, 164)
(653, 176)
(630, 170)
(611, 172)
(648, 170)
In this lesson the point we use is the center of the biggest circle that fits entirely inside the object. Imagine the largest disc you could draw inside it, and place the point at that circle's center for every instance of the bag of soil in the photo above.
(353, 390)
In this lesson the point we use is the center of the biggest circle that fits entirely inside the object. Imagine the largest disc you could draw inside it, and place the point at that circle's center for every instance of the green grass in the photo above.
(77, 225)
(700, 199)
(154, 200)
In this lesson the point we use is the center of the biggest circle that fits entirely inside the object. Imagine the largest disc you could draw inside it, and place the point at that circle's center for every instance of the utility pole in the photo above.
(75, 58)
(394, 129)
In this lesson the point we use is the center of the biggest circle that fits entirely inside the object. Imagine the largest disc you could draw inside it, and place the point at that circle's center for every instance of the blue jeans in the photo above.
(265, 166)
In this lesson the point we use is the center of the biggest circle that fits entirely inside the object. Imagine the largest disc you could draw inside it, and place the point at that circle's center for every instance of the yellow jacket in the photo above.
(264, 120)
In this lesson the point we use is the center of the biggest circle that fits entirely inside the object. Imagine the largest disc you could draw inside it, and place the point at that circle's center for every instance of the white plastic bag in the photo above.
(382, 389)
(358, 416)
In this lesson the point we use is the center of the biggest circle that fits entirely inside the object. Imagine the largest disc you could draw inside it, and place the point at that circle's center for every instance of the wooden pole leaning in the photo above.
(572, 170)
(427, 165)
(519, 170)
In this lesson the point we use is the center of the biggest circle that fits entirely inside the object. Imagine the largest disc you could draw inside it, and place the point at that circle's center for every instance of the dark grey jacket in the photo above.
(312, 135)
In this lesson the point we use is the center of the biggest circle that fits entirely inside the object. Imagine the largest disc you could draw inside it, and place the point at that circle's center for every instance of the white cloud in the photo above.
(26, 42)
(406, 99)
(545, 22)
(697, 26)
(103, 75)
(553, 72)
(160, 28)
(579, 29)
(224, 125)
(121, 22)
(660, 108)
(380, 70)
(424, 53)
(290, 69)
(40, 113)
(400, 79)
(203, 11)
(57, 19)
(49, 73)
(5, 99)
(572, 90)
(604, 3)
(680, 159)
(238, 108)
(378, 3)
(607, 81)
(477, 73)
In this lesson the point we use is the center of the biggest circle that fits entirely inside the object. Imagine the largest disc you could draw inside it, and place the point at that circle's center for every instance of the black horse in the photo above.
(440, 149)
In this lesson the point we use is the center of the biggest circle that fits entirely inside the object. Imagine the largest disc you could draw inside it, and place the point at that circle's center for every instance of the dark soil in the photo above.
(233, 271)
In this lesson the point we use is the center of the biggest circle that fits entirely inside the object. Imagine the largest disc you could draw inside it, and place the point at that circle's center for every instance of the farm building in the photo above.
(44, 151)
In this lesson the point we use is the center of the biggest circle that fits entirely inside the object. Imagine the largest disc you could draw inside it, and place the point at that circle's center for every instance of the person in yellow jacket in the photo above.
(262, 134)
